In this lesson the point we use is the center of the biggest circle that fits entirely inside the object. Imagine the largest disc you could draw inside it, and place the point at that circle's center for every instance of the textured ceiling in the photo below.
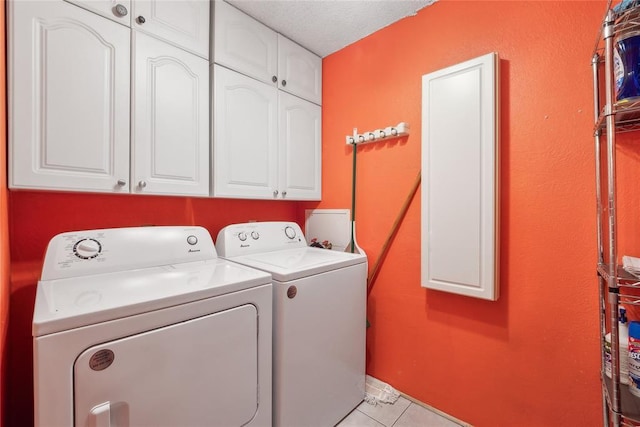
(326, 26)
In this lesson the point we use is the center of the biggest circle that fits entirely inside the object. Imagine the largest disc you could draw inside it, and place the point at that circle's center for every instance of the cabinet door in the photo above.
(300, 148)
(299, 71)
(245, 133)
(170, 103)
(116, 10)
(184, 23)
(68, 98)
(460, 188)
(244, 44)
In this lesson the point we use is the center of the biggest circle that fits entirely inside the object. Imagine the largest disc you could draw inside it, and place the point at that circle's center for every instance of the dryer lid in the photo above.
(64, 304)
(292, 264)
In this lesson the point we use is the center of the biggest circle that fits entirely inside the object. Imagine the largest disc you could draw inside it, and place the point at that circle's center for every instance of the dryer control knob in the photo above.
(290, 232)
(255, 235)
(242, 236)
(87, 248)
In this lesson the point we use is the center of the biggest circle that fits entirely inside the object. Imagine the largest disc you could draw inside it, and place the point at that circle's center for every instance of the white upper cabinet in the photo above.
(183, 23)
(88, 112)
(300, 148)
(68, 84)
(251, 48)
(244, 44)
(299, 71)
(266, 142)
(170, 137)
(245, 136)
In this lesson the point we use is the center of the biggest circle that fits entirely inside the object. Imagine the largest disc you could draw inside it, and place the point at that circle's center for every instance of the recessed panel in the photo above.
(201, 372)
(460, 179)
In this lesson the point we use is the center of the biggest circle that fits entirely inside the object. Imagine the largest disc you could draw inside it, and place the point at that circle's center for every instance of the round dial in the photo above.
(87, 248)
(255, 235)
(242, 236)
(290, 232)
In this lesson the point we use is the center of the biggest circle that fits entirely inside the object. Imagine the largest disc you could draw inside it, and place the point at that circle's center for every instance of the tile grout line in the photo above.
(405, 410)
(370, 417)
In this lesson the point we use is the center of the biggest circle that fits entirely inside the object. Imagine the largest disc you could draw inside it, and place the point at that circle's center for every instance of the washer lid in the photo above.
(296, 263)
(63, 304)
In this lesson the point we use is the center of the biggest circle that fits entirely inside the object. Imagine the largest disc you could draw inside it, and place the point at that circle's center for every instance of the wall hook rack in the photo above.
(402, 129)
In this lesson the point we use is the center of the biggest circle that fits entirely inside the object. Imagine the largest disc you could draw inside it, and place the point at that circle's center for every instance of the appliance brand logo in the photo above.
(194, 250)
(244, 246)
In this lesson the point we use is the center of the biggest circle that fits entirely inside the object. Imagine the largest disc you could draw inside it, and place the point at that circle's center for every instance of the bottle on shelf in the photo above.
(624, 346)
(634, 358)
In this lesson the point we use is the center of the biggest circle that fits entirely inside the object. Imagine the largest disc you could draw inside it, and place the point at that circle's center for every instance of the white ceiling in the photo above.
(326, 26)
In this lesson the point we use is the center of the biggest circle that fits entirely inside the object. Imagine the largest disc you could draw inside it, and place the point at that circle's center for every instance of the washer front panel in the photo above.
(319, 347)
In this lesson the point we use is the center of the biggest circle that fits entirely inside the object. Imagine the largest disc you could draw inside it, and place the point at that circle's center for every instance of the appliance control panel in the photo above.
(80, 253)
(257, 237)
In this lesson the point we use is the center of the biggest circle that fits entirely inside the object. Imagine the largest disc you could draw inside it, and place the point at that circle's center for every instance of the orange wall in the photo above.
(531, 358)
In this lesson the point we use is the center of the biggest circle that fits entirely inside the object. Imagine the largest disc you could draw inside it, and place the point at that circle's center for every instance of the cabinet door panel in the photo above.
(300, 148)
(299, 70)
(170, 139)
(244, 44)
(107, 8)
(184, 23)
(460, 192)
(245, 136)
(68, 98)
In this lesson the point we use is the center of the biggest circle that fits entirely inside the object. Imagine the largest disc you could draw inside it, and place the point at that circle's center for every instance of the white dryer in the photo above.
(319, 320)
(148, 327)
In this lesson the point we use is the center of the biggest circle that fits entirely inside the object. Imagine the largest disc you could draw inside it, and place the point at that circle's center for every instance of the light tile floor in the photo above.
(402, 413)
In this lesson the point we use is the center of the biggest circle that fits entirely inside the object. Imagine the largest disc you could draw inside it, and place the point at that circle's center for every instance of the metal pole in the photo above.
(601, 284)
(611, 207)
(353, 196)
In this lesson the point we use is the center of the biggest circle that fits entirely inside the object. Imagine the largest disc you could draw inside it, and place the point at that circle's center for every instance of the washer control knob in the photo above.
(290, 232)
(192, 240)
(242, 236)
(255, 235)
(87, 248)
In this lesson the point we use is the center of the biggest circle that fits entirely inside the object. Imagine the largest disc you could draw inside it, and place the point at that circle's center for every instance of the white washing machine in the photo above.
(319, 320)
(147, 327)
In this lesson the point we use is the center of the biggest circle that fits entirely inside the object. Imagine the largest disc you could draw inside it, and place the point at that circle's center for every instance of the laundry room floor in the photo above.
(402, 413)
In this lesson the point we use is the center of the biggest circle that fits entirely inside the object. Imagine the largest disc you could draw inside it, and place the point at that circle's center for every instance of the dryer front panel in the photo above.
(175, 375)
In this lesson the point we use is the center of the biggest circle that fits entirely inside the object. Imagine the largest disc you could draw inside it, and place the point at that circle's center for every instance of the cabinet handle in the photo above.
(122, 182)
(274, 79)
(284, 194)
(142, 184)
(120, 10)
(284, 83)
(275, 193)
(141, 19)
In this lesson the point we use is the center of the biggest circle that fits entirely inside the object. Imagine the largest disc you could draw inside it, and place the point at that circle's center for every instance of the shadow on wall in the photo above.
(482, 317)
(19, 383)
